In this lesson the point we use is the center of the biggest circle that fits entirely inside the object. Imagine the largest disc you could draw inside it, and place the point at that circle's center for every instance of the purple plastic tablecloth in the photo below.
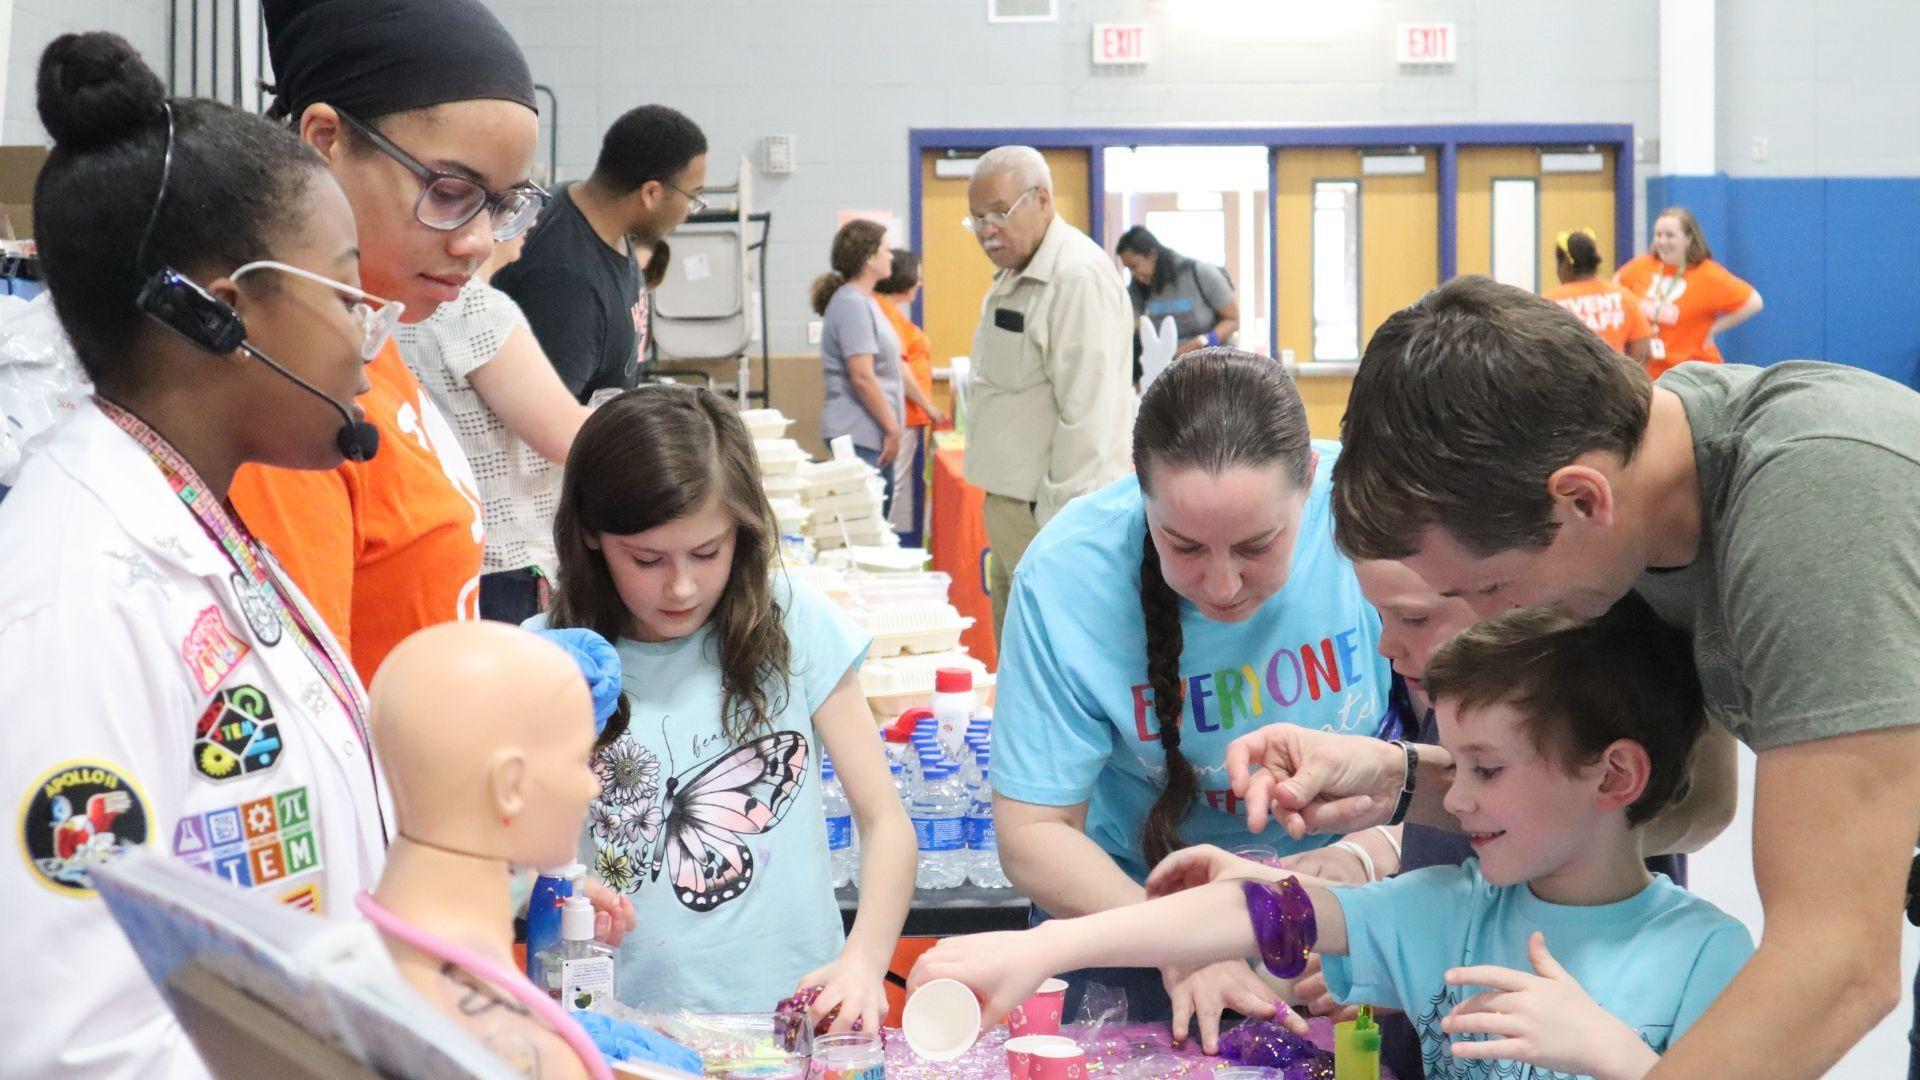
(1118, 1052)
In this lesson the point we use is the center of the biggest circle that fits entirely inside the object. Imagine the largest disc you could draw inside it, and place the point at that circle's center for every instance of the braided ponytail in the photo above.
(1160, 607)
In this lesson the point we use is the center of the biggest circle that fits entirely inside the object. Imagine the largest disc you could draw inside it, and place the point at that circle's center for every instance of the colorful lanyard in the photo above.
(221, 528)
(1664, 286)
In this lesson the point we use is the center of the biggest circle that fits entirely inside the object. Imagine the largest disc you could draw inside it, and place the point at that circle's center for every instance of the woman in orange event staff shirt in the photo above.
(433, 145)
(1685, 294)
(1611, 311)
(894, 294)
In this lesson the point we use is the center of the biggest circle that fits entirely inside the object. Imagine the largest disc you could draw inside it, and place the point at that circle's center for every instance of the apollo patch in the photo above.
(77, 815)
(236, 736)
(211, 651)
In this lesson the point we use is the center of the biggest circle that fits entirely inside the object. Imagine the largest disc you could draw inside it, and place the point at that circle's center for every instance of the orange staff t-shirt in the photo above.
(383, 547)
(1682, 307)
(1606, 308)
(916, 352)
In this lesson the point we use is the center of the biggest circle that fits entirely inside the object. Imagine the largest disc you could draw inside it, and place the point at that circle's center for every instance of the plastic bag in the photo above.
(41, 381)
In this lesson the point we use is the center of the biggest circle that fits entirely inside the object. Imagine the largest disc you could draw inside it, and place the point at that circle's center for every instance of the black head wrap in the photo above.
(374, 58)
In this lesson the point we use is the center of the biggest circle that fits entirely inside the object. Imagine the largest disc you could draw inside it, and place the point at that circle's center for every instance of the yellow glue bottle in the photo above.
(1356, 1048)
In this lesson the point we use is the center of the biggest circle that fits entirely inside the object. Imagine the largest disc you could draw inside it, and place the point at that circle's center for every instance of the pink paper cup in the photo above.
(1020, 1051)
(941, 1020)
(1058, 1063)
(1039, 1014)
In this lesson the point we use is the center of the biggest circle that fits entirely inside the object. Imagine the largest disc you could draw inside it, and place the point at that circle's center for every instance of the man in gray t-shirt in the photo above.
(1508, 456)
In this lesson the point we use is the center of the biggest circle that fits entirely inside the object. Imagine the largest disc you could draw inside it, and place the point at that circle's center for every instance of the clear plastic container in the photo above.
(854, 1055)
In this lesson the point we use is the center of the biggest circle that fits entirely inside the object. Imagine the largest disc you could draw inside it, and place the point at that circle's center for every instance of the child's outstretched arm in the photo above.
(1545, 1019)
(854, 984)
(1203, 916)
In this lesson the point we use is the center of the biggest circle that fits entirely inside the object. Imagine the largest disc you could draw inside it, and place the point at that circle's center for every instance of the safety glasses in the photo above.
(373, 318)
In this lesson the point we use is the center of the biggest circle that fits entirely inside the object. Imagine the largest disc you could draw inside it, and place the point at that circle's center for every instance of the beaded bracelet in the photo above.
(1283, 924)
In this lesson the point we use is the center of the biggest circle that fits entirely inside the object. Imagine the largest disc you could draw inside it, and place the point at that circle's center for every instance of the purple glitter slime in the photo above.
(1263, 1043)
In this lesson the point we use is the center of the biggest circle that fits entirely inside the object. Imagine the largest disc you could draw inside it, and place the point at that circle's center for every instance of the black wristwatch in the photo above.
(1406, 793)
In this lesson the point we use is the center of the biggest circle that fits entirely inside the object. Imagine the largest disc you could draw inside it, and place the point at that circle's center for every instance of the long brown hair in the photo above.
(649, 456)
(853, 245)
(1214, 409)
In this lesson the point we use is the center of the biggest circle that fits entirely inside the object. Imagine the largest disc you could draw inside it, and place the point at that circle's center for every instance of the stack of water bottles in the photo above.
(948, 793)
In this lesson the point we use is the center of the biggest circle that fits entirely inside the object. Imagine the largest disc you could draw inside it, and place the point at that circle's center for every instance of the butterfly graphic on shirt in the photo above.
(708, 812)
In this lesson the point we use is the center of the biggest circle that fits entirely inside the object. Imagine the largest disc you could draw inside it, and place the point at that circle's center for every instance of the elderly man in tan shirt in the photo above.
(1051, 401)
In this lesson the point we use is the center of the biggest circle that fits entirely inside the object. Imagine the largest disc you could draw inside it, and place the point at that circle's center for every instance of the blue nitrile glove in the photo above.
(622, 1041)
(599, 662)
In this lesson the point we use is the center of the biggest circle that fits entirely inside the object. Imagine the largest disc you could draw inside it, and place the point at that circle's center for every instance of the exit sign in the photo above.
(1120, 43)
(1426, 43)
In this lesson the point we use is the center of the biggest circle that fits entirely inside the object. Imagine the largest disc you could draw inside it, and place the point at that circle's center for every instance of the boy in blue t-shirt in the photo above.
(1552, 954)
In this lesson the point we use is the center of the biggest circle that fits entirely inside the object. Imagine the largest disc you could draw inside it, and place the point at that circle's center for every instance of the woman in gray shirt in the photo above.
(1164, 283)
(859, 352)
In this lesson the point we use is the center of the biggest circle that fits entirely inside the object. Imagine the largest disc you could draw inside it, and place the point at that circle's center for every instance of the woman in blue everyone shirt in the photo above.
(1150, 624)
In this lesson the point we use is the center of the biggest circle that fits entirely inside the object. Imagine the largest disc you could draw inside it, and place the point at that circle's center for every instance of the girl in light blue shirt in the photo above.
(735, 681)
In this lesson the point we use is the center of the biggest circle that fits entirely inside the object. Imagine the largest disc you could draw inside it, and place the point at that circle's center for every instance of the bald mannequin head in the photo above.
(484, 731)
(1013, 182)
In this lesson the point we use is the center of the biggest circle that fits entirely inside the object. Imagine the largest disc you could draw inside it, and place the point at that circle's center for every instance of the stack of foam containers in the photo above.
(844, 498)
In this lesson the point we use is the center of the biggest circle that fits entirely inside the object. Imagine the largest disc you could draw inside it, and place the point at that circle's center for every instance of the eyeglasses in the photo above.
(698, 204)
(448, 202)
(996, 219)
(373, 318)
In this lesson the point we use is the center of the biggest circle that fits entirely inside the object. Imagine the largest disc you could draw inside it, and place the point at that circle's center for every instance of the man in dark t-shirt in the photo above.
(579, 278)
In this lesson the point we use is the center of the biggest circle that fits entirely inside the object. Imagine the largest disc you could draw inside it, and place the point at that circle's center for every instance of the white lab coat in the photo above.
(123, 644)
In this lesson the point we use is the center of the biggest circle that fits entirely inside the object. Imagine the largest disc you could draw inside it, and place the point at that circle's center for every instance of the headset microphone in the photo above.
(358, 440)
(178, 303)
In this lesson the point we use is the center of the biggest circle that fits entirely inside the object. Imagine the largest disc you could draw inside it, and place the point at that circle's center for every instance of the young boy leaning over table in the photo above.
(1553, 947)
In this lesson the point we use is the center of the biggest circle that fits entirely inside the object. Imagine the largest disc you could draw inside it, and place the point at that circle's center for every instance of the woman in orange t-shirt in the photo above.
(1685, 294)
(1611, 311)
(894, 295)
(390, 545)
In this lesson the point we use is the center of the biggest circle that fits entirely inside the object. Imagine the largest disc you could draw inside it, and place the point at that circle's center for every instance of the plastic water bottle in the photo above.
(550, 892)
(983, 847)
(843, 854)
(898, 773)
(939, 813)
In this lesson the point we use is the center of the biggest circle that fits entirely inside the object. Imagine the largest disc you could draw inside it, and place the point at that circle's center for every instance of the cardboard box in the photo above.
(19, 168)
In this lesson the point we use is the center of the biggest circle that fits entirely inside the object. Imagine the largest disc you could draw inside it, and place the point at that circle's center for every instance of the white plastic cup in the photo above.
(941, 1020)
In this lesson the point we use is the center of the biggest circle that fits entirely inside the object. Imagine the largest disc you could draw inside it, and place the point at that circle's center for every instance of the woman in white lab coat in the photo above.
(164, 684)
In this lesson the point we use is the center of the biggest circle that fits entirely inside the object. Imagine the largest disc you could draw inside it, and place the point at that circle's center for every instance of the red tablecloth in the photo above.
(958, 543)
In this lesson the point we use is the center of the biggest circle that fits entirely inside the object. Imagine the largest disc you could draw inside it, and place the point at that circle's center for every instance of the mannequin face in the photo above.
(558, 784)
(672, 576)
(485, 731)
